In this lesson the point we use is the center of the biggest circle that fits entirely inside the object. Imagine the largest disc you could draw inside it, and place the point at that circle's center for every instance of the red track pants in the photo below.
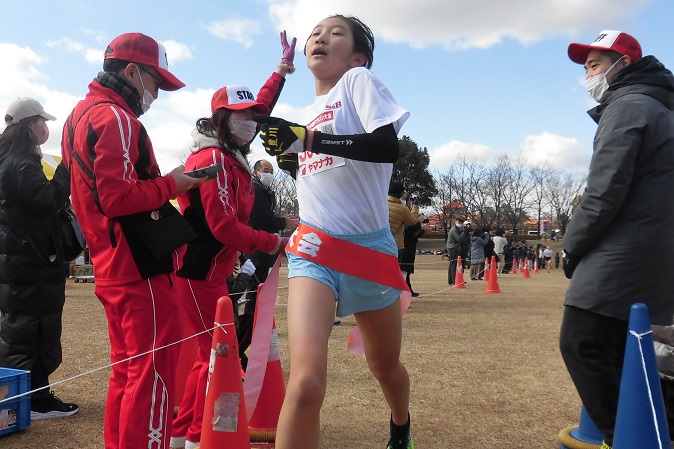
(142, 316)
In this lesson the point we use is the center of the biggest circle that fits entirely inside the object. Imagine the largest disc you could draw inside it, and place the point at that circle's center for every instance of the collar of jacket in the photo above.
(122, 87)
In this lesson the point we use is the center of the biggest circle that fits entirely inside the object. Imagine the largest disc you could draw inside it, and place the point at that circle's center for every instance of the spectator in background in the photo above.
(489, 249)
(411, 238)
(556, 261)
(398, 216)
(262, 218)
(465, 245)
(547, 256)
(455, 237)
(32, 270)
(500, 243)
(508, 258)
(477, 243)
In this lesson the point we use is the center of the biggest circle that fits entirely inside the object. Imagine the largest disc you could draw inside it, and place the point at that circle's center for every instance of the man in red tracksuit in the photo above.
(115, 181)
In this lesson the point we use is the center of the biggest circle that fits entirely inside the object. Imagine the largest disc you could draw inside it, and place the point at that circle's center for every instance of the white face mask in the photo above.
(243, 130)
(266, 179)
(148, 98)
(598, 84)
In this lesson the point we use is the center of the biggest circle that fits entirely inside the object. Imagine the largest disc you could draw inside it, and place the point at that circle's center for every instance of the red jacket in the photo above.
(218, 210)
(225, 202)
(107, 138)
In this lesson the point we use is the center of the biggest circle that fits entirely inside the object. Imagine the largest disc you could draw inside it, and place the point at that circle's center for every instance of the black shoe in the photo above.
(415, 294)
(392, 444)
(51, 407)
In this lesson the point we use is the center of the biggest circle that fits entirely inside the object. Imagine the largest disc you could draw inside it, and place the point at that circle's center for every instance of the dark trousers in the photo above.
(245, 331)
(593, 349)
(453, 254)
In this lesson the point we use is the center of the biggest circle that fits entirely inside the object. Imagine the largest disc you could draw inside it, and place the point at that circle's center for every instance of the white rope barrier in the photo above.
(648, 386)
(77, 376)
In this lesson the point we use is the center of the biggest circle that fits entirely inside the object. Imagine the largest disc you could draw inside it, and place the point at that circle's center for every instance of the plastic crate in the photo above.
(15, 413)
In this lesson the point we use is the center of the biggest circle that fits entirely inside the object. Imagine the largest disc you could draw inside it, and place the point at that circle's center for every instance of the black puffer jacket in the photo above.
(32, 278)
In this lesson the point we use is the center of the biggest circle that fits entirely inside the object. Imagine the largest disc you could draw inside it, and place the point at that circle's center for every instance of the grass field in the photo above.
(485, 369)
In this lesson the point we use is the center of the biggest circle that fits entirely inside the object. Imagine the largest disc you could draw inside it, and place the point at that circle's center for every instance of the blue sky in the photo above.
(481, 78)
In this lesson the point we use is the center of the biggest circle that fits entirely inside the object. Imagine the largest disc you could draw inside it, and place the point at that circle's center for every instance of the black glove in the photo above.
(288, 163)
(570, 262)
(280, 136)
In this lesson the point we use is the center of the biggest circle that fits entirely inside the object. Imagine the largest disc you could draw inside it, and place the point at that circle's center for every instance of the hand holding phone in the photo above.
(211, 171)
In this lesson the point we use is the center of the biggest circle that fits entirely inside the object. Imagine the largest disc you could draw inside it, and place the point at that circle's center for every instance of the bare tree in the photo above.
(496, 185)
(443, 204)
(564, 194)
(540, 175)
(284, 188)
(517, 194)
(477, 200)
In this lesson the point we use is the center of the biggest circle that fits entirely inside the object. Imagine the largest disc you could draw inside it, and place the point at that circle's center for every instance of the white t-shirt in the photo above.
(342, 195)
(499, 244)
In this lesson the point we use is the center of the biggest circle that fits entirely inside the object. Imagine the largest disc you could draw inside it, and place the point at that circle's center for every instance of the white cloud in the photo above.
(446, 154)
(563, 153)
(240, 31)
(458, 24)
(177, 51)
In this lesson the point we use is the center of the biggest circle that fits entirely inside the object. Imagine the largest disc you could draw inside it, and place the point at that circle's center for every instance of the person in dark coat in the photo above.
(262, 218)
(456, 239)
(508, 257)
(411, 237)
(32, 269)
(625, 203)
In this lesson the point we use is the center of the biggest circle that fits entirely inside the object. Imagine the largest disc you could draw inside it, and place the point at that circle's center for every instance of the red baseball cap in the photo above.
(237, 98)
(142, 49)
(607, 40)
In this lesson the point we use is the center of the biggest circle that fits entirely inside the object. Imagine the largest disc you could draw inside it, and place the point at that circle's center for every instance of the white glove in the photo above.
(248, 268)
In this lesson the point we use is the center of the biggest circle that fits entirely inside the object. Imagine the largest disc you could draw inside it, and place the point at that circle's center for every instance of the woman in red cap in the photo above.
(218, 211)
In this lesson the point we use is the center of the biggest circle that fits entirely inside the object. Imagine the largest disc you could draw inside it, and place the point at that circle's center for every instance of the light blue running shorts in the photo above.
(353, 294)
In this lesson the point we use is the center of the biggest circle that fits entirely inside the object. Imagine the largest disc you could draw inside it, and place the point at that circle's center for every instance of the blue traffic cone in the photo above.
(641, 421)
(585, 435)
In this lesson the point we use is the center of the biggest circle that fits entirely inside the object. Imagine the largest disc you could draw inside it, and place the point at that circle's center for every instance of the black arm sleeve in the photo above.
(381, 145)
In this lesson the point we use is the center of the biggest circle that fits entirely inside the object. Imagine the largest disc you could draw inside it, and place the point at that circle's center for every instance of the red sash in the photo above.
(355, 260)
(346, 257)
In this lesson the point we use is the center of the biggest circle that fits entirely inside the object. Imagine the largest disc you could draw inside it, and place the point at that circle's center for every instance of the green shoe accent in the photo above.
(410, 443)
(605, 446)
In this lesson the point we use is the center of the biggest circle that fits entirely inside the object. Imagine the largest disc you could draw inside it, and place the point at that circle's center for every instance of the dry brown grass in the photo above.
(485, 369)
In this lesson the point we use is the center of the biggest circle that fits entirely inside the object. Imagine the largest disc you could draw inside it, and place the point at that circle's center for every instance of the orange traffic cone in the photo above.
(485, 273)
(492, 280)
(536, 265)
(225, 421)
(514, 264)
(525, 270)
(264, 421)
(459, 282)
